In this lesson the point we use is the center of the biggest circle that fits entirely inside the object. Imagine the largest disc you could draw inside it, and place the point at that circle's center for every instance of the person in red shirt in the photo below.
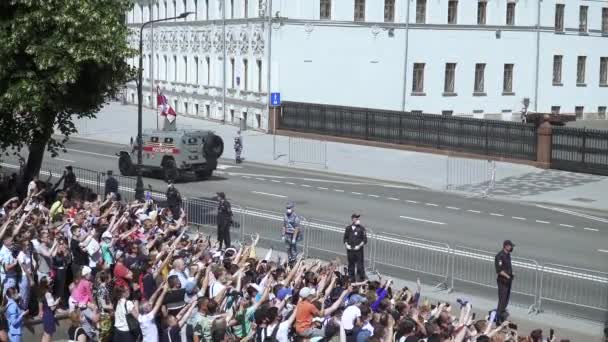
(122, 275)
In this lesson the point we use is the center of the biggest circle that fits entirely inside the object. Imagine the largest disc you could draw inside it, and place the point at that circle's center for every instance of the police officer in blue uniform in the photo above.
(291, 232)
(504, 279)
(355, 238)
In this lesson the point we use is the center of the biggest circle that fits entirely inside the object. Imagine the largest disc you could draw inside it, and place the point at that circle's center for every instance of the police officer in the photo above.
(504, 279)
(224, 220)
(291, 232)
(174, 201)
(238, 147)
(111, 185)
(69, 178)
(355, 238)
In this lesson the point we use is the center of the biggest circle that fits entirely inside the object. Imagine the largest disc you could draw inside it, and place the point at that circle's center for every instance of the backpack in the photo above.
(75, 339)
(273, 336)
(133, 323)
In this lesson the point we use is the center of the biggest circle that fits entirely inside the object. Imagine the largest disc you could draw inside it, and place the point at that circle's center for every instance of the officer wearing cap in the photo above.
(224, 220)
(111, 185)
(69, 178)
(355, 238)
(504, 279)
(291, 232)
(174, 201)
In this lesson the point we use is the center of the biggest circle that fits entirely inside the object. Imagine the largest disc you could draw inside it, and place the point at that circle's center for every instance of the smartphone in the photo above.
(492, 316)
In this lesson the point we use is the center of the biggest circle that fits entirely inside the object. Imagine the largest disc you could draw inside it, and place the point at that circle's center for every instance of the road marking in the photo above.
(290, 183)
(545, 222)
(591, 229)
(519, 218)
(603, 250)
(393, 198)
(268, 194)
(226, 167)
(474, 211)
(398, 187)
(338, 190)
(305, 186)
(431, 204)
(410, 201)
(566, 225)
(260, 179)
(321, 188)
(422, 220)
(247, 177)
(495, 214)
(374, 196)
(356, 193)
(275, 181)
(65, 160)
(453, 208)
(92, 153)
(574, 213)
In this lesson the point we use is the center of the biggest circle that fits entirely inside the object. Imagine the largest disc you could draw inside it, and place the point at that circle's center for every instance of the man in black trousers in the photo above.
(504, 279)
(355, 238)
(224, 220)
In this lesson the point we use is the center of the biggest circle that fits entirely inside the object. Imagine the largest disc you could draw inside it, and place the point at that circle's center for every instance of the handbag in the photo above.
(133, 323)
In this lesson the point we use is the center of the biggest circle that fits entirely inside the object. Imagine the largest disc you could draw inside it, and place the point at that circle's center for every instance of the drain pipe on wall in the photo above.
(407, 33)
(537, 56)
(269, 10)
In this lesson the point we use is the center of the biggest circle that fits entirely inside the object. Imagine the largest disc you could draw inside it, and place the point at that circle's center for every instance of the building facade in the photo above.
(479, 58)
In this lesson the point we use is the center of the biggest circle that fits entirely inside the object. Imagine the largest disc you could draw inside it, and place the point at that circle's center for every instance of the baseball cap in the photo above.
(306, 292)
(284, 292)
(85, 270)
(508, 243)
(290, 205)
(356, 299)
(355, 215)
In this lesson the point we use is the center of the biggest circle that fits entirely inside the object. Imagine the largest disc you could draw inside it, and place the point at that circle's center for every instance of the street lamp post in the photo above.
(139, 186)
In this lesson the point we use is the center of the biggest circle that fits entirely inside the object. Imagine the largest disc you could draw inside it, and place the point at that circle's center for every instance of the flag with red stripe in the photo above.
(165, 109)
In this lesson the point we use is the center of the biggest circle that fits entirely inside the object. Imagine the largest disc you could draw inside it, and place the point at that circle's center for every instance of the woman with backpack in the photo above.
(75, 331)
(122, 329)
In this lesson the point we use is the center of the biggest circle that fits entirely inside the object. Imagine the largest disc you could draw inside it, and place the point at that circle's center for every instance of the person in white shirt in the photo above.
(25, 260)
(352, 312)
(146, 314)
(181, 271)
(32, 187)
(123, 307)
(279, 329)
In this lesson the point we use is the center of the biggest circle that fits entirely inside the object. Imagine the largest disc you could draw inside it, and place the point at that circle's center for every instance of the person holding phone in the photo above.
(504, 279)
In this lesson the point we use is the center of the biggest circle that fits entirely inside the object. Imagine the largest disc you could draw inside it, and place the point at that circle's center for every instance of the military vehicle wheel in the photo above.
(214, 147)
(125, 165)
(170, 172)
(204, 174)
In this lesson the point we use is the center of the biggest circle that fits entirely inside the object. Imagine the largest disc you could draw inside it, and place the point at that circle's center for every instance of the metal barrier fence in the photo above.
(470, 175)
(575, 287)
(476, 267)
(307, 151)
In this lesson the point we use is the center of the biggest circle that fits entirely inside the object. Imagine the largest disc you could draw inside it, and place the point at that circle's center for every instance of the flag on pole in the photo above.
(165, 108)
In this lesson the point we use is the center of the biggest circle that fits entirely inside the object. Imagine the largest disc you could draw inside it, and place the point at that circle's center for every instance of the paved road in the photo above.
(542, 234)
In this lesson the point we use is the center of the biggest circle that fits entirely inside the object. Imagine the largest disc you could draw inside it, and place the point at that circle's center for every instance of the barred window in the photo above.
(601, 112)
(507, 83)
(245, 73)
(389, 11)
(479, 77)
(605, 20)
(580, 70)
(359, 10)
(418, 84)
(452, 12)
(557, 69)
(232, 74)
(510, 13)
(325, 9)
(420, 11)
(450, 78)
(208, 64)
(582, 18)
(559, 17)
(579, 111)
(481, 12)
(604, 71)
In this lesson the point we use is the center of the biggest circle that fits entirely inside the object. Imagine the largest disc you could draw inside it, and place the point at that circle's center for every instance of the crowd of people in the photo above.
(130, 271)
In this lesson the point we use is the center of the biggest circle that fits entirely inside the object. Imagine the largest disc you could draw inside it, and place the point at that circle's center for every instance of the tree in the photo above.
(60, 60)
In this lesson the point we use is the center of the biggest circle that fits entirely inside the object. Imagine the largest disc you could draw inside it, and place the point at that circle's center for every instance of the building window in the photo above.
(559, 17)
(325, 9)
(196, 109)
(416, 112)
(259, 65)
(208, 64)
(359, 10)
(258, 120)
(232, 115)
(260, 8)
(555, 110)
(231, 9)
(232, 73)
(482, 7)
(578, 110)
(186, 108)
(507, 81)
(165, 10)
(157, 65)
(418, 84)
(196, 18)
(580, 70)
(510, 13)
(582, 19)
(601, 112)
(206, 9)
(557, 69)
(389, 11)
(184, 7)
(450, 78)
(207, 110)
(479, 78)
(175, 74)
(420, 12)
(174, 9)
(245, 73)
(604, 71)
(447, 112)
(196, 70)
(605, 20)
(246, 8)
(452, 12)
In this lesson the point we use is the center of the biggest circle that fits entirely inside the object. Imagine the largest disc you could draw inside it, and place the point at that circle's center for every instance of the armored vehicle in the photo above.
(171, 154)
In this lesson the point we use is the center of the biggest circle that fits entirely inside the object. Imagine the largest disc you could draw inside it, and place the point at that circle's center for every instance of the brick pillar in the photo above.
(544, 144)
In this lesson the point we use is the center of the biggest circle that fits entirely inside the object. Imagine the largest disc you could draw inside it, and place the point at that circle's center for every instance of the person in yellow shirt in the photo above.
(57, 207)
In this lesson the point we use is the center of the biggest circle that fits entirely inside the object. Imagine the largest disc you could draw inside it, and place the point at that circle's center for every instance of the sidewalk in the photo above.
(118, 123)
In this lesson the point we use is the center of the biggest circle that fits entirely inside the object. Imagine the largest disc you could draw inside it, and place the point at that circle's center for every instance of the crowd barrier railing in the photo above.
(575, 287)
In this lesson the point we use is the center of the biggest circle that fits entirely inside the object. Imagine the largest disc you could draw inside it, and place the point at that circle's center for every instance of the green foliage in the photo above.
(59, 60)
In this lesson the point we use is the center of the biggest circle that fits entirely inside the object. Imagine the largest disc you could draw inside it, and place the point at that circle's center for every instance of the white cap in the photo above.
(306, 292)
(85, 270)
(106, 235)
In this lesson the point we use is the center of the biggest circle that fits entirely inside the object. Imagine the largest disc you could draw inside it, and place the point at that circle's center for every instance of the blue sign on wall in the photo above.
(275, 99)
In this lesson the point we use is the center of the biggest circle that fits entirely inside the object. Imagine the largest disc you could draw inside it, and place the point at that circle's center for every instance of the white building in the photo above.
(468, 57)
